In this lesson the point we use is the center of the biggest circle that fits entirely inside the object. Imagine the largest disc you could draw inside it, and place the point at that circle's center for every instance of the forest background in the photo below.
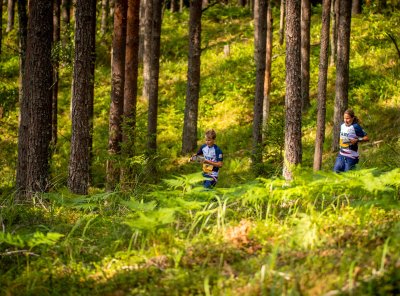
(255, 233)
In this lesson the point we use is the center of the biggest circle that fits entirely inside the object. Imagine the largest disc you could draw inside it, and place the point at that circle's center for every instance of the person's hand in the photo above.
(353, 141)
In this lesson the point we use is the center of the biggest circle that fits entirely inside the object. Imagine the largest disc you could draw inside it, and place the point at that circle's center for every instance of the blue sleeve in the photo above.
(220, 156)
(359, 130)
(200, 151)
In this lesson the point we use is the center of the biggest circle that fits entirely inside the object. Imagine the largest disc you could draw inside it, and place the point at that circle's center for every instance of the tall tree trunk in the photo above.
(322, 82)
(356, 7)
(282, 22)
(154, 76)
(142, 26)
(305, 53)
(334, 17)
(38, 75)
(293, 148)
(105, 8)
(117, 92)
(131, 80)
(56, 40)
(147, 43)
(189, 135)
(342, 69)
(174, 6)
(131, 72)
(82, 99)
(10, 15)
(153, 89)
(66, 19)
(21, 176)
(268, 64)
(260, 30)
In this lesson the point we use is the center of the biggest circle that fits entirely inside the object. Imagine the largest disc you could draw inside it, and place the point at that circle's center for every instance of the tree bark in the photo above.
(153, 79)
(117, 91)
(38, 70)
(10, 15)
(260, 30)
(282, 22)
(293, 148)
(82, 99)
(131, 88)
(147, 43)
(322, 82)
(131, 73)
(305, 53)
(342, 69)
(66, 19)
(334, 17)
(105, 8)
(189, 136)
(268, 64)
(356, 7)
(22, 162)
(56, 40)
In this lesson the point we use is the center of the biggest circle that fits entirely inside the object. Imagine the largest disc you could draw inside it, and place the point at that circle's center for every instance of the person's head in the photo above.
(210, 137)
(349, 117)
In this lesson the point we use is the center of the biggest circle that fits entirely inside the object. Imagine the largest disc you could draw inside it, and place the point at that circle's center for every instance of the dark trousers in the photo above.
(344, 164)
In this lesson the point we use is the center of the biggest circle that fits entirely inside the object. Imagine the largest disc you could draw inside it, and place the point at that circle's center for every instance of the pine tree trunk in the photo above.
(131, 87)
(153, 79)
(82, 99)
(147, 43)
(356, 7)
(322, 82)
(342, 69)
(189, 136)
(66, 19)
(131, 73)
(293, 148)
(305, 53)
(260, 30)
(117, 92)
(268, 64)
(10, 15)
(38, 75)
(282, 22)
(105, 8)
(56, 40)
(22, 163)
(334, 17)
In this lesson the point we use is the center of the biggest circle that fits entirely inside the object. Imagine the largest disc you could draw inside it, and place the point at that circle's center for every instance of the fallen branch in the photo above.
(395, 43)
(25, 252)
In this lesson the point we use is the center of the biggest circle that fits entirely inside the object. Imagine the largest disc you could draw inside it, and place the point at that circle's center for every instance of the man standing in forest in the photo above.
(211, 161)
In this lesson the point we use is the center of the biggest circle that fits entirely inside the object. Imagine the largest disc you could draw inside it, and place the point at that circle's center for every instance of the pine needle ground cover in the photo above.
(322, 234)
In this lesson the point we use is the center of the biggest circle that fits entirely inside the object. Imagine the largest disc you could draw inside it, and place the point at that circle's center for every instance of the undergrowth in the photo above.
(322, 233)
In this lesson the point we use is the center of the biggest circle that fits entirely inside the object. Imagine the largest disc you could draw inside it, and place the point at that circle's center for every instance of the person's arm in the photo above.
(359, 139)
(217, 164)
(361, 135)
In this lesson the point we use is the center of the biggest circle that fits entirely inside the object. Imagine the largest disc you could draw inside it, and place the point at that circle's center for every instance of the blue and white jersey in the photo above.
(213, 153)
(353, 131)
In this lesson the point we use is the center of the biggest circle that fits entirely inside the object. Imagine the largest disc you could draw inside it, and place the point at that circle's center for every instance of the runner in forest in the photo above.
(351, 133)
(211, 157)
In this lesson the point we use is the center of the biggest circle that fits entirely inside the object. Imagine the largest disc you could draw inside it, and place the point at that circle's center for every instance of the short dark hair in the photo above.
(211, 134)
